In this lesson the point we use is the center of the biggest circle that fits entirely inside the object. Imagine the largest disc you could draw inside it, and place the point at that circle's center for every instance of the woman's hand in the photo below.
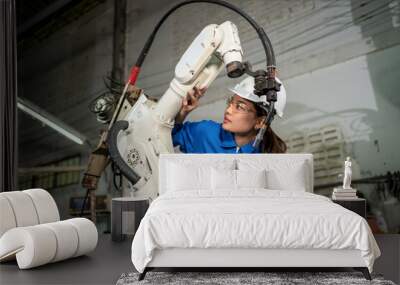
(189, 103)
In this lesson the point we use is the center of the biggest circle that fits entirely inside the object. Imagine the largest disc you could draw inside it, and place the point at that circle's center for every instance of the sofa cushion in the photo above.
(23, 208)
(41, 244)
(7, 218)
(45, 205)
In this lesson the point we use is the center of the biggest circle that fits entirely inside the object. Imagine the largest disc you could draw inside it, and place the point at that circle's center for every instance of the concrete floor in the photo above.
(103, 266)
(388, 264)
(111, 259)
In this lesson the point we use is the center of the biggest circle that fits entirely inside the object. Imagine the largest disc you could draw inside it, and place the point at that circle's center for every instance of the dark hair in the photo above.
(271, 142)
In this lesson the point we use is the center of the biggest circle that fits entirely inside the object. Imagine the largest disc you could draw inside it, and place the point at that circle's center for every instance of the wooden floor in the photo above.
(110, 259)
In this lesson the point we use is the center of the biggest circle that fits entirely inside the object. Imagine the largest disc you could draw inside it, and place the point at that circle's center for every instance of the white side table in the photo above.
(126, 214)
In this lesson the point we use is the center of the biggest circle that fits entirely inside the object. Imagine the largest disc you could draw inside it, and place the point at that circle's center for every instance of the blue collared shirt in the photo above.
(207, 137)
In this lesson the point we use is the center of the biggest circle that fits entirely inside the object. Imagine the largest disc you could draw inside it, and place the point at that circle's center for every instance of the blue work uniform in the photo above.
(207, 137)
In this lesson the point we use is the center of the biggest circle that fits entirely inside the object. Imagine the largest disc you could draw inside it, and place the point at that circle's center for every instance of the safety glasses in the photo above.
(238, 107)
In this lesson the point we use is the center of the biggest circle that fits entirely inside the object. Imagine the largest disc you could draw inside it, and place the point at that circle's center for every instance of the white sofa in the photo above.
(31, 230)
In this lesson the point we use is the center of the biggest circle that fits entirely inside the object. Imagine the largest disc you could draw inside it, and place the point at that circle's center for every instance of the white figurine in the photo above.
(347, 174)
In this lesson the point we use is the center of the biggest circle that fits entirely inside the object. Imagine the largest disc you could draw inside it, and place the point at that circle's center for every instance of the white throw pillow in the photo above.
(193, 174)
(223, 179)
(251, 178)
(293, 180)
(184, 177)
(281, 174)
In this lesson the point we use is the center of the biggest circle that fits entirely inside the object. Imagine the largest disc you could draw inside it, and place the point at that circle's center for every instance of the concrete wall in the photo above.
(339, 61)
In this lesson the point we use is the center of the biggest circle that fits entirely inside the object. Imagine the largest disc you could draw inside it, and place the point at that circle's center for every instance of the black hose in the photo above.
(269, 52)
(116, 173)
(84, 203)
(127, 171)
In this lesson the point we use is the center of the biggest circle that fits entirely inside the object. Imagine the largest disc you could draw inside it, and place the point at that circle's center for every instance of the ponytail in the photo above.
(272, 143)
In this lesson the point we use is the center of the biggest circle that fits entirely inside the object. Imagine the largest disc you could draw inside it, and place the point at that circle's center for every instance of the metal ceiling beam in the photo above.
(47, 12)
(51, 121)
(46, 169)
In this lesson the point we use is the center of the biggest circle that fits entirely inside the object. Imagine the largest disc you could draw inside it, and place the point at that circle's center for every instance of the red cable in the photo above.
(134, 74)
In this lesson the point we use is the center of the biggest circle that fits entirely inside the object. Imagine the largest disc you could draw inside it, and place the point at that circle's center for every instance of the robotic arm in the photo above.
(136, 140)
(213, 48)
(139, 132)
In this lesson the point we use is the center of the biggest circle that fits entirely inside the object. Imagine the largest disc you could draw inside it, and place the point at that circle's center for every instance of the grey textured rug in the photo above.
(230, 278)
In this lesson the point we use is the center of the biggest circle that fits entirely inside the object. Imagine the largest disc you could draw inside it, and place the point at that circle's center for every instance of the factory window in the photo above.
(70, 177)
(52, 175)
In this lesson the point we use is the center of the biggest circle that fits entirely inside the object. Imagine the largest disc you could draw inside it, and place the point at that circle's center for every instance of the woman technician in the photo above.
(242, 120)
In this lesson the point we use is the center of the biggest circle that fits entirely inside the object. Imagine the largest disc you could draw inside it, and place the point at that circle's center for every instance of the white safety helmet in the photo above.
(245, 89)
